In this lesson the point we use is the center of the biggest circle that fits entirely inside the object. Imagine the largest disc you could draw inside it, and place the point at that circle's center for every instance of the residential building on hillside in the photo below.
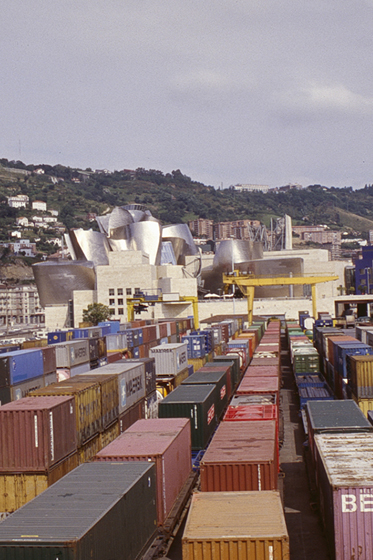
(19, 201)
(39, 205)
(251, 188)
(202, 228)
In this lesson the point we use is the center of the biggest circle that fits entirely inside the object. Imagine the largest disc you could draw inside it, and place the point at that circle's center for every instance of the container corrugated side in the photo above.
(241, 456)
(131, 381)
(72, 353)
(19, 488)
(236, 526)
(95, 496)
(360, 370)
(21, 390)
(166, 443)
(345, 485)
(22, 365)
(36, 433)
(109, 395)
(87, 397)
(170, 358)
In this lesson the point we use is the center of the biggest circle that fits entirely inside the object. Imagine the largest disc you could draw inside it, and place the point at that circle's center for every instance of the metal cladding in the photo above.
(146, 236)
(56, 281)
(126, 228)
(90, 245)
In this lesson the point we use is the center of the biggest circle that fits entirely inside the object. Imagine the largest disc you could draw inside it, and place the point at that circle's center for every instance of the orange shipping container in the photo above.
(236, 526)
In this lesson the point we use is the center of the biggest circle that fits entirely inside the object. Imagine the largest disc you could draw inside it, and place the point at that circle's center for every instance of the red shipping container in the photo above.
(149, 334)
(114, 357)
(130, 416)
(36, 433)
(253, 335)
(336, 339)
(265, 362)
(241, 456)
(262, 371)
(167, 442)
(251, 386)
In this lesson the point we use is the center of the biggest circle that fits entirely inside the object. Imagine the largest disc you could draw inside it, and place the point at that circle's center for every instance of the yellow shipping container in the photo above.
(109, 435)
(87, 396)
(197, 363)
(179, 378)
(19, 488)
(34, 343)
(363, 404)
(361, 376)
(236, 526)
(89, 449)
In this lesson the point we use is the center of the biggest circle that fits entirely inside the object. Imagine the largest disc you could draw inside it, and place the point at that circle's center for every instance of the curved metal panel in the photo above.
(146, 237)
(232, 251)
(119, 244)
(119, 219)
(90, 245)
(176, 232)
(56, 281)
(137, 211)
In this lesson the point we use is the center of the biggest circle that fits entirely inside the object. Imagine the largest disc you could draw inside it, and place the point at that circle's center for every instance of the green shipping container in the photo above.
(235, 368)
(197, 402)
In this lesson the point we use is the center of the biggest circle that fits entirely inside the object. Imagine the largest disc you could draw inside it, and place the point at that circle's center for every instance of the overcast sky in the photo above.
(227, 91)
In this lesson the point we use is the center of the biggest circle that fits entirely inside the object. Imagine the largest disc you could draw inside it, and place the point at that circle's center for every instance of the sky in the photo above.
(227, 91)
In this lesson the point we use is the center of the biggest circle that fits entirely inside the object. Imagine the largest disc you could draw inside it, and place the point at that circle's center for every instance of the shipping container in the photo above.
(49, 359)
(150, 374)
(364, 404)
(112, 326)
(16, 489)
(213, 376)
(67, 373)
(197, 403)
(169, 358)
(236, 526)
(307, 394)
(112, 509)
(131, 415)
(109, 395)
(21, 390)
(89, 449)
(251, 386)
(345, 485)
(116, 342)
(72, 353)
(234, 362)
(165, 442)
(109, 434)
(241, 456)
(22, 365)
(151, 405)
(36, 433)
(334, 417)
(87, 395)
(360, 375)
(131, 381)
(262, 370)
(59, 336)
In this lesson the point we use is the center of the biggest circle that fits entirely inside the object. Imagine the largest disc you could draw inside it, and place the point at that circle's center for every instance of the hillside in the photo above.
(171, 197)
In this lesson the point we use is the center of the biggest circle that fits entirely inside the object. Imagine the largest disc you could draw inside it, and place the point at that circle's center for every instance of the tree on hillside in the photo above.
(96, 313)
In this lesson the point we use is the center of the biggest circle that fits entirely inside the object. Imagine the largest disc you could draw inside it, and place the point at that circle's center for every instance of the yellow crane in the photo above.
(247, 283)
(137, 301)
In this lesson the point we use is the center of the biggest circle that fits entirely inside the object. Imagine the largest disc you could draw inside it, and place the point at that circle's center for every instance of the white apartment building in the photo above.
(20, 305)
(39, 205)
(19, 201)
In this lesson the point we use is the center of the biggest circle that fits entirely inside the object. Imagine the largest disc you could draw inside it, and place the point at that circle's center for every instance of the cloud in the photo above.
(315, 100)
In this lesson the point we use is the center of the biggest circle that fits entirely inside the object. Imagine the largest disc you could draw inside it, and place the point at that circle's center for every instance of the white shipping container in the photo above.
(72, 353)
(170, 359)
(94, 332)
(131, 381)
(116, 342)
(66, 373)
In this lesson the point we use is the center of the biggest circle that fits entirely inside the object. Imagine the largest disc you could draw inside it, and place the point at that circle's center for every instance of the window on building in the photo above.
(120, 291)
(111, 291)
(111, 301)
(128, 291)
(120, 301)
(120, 311)
(112, 311)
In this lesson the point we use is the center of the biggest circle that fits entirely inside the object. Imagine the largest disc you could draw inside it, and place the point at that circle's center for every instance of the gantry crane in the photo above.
(140, 302)
(247, 283)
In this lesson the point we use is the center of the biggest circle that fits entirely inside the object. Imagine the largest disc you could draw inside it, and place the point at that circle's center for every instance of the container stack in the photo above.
(72, 358)
(165, 442)
(22, 371)
(38, 446)
(171, 365)
(360, 380)
(80, 516)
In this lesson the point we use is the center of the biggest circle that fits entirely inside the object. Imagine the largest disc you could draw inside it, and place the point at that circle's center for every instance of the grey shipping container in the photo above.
(197, 402)
(236, 372)
(345, 485)
(218, 378)
(100, 511)
(170, 359)
(49, 359)
(72, 353)
(150, 375)
(131, 382)
(16, 392)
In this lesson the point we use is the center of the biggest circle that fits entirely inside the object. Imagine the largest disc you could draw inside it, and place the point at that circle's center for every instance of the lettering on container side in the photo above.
(259, 478)
(223, 392)
(211, 414)
(350, 503)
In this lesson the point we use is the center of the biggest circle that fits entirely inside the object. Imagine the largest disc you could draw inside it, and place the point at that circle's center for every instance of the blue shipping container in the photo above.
(349, 349)
(19, 366)
(114, 326)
